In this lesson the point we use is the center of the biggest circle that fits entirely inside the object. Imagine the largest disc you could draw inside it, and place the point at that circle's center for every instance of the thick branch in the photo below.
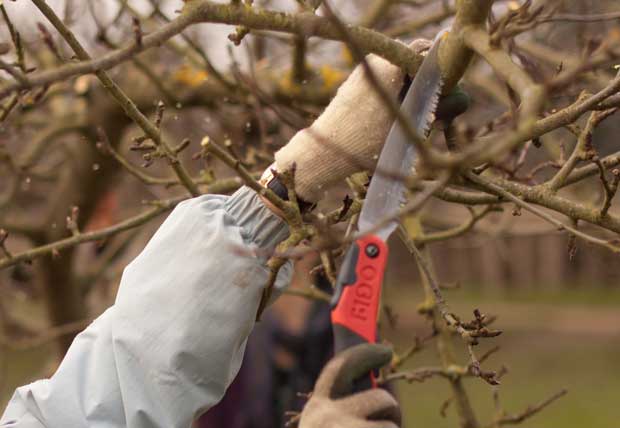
(304, 24)
(532, 95)
(455, 55)
(593, 215)
(489, 148)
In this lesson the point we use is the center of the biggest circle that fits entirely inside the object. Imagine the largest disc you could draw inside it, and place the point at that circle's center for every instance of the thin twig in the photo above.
(55, 247)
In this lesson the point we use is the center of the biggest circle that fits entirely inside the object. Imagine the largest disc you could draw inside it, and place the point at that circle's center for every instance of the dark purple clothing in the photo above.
(262, 391)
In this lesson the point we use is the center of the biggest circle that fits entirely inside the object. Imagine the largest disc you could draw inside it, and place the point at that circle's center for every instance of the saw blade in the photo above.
(387, 187)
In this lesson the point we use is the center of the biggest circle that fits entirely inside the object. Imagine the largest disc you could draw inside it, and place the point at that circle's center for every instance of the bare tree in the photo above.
(75, 126)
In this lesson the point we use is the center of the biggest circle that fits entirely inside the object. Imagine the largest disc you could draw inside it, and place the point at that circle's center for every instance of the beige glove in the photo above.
(348, 136)
(330, 405)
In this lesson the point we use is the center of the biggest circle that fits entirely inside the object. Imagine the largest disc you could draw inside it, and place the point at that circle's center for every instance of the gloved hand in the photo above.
(348, 136)
(331, 406)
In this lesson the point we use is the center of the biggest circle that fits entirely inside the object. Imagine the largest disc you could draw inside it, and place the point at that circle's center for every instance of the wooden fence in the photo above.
(533, 259)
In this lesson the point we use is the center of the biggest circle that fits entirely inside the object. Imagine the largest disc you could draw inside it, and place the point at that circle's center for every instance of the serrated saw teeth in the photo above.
(384, 195)
(431, 115)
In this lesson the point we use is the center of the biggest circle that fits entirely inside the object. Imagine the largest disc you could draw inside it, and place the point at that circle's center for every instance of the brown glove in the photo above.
(331, 406)
(348, 136)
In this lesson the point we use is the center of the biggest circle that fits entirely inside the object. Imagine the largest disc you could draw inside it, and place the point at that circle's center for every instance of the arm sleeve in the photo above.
(174, 340)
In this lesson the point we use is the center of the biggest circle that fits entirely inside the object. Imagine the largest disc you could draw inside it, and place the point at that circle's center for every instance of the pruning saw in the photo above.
(355, 305)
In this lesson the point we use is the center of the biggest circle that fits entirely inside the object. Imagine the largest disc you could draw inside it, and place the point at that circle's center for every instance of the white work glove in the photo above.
(331, 406)
(348, 136)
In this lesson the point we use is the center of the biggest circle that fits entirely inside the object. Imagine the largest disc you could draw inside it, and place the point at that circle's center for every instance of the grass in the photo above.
(551, 341)
(539, 367)
(578, 295)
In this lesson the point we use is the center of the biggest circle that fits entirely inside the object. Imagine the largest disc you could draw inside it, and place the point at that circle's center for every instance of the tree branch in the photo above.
(125, 102)
(304, 24)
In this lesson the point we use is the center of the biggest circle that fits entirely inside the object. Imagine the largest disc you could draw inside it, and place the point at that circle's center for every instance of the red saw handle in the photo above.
(355, 305)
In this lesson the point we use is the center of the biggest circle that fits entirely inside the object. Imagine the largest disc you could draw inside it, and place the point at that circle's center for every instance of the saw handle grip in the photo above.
(355, 304)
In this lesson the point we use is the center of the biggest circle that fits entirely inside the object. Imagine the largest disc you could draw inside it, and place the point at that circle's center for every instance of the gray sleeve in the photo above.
(174, 340)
